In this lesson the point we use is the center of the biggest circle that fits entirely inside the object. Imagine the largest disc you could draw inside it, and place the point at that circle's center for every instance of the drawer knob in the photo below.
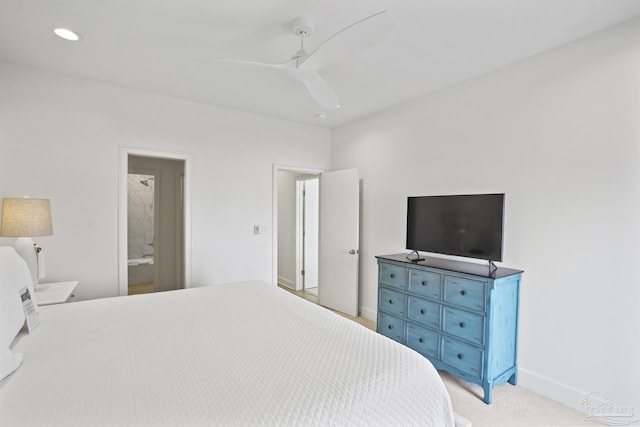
(422, 311)
(390, 301)
(461, 324)
(424, 283)
(462, 292)
(390, 326)
(392, 275)
(421, 339)
(460, 356)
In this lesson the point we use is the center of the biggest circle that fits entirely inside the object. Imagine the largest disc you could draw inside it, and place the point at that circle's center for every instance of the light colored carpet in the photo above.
(511, 406)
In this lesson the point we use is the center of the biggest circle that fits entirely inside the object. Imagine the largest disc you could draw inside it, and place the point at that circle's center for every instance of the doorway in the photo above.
(307, 233)
(297, 231)
(338, 242)
(142, 229)
(154, 227)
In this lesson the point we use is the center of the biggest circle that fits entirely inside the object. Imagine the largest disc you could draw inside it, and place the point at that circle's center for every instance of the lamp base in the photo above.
(24, 247)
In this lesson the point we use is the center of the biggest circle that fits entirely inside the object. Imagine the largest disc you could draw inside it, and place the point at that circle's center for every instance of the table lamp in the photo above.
(26, 218)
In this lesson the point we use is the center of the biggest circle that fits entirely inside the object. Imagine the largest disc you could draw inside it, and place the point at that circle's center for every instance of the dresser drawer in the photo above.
(425, 283)
(423, 311)
(423, 340)
(463, 324)
(392, 301)
(465, 292)
(464, 357)
(391, 327)
(393, 275)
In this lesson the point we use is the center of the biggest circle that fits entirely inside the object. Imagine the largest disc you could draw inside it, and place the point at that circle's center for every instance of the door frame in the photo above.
(123, 279)
(274, 216)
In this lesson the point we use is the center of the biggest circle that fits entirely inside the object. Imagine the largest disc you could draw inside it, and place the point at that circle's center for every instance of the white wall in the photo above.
(60, 139)
(559, 133)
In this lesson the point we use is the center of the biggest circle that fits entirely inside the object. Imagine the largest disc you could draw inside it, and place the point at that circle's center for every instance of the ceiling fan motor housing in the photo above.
(302, 26)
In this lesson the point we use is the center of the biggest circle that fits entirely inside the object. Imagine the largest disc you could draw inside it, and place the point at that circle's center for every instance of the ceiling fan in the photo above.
(304, 65)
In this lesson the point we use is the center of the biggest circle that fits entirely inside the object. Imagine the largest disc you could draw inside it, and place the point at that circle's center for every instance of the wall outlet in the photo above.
(256, 229)
(264, 229)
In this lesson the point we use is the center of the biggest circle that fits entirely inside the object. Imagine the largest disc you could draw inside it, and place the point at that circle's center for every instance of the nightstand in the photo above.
(54, 293)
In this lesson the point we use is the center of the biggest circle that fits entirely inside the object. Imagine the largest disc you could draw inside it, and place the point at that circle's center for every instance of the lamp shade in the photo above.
(26, 218)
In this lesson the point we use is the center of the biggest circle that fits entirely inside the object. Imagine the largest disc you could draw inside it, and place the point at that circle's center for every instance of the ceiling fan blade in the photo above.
(318, 88)
(349, 40)
(243, 62)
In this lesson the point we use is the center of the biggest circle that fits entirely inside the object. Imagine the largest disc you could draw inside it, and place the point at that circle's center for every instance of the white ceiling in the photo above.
(162, 46)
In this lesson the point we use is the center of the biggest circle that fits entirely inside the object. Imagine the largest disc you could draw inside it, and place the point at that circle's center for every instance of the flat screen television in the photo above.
(461, 225)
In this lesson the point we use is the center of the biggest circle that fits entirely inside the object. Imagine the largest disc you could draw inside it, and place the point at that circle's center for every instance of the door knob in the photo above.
(353, 252)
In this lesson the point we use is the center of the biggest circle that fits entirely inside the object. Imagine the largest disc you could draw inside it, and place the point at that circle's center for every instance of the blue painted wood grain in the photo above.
(466, 324)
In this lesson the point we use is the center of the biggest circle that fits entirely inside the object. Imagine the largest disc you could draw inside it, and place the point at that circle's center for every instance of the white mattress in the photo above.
(237, 354)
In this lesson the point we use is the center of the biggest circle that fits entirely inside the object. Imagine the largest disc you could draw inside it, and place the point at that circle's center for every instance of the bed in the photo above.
(242, 353)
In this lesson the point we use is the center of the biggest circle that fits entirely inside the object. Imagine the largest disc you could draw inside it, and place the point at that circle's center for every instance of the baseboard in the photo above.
(369, 314)
(551, 389)
(591, 403)
(286, 282)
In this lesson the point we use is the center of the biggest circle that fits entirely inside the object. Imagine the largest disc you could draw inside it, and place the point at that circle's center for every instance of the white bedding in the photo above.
(238, 354)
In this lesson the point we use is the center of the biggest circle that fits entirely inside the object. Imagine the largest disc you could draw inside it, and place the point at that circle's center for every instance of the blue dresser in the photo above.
(456, 314)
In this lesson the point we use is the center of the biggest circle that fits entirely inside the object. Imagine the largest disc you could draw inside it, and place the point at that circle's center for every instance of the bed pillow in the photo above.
(9, 361)
(14, 275)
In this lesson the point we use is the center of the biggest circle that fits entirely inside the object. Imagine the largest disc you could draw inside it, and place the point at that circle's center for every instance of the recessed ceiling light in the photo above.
(321, 116)
(66, 34)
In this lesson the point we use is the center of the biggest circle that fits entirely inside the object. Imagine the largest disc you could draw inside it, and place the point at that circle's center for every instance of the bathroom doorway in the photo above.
(154, 222)
(155, 209)
(142, 229)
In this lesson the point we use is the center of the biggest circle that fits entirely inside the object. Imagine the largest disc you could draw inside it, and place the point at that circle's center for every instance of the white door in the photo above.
(339, 241)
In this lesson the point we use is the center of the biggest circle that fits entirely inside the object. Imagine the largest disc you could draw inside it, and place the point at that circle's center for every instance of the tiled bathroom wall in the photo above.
(140, 215)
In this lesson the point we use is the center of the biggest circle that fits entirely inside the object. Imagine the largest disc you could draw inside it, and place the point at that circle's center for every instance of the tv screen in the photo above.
(461, 225)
